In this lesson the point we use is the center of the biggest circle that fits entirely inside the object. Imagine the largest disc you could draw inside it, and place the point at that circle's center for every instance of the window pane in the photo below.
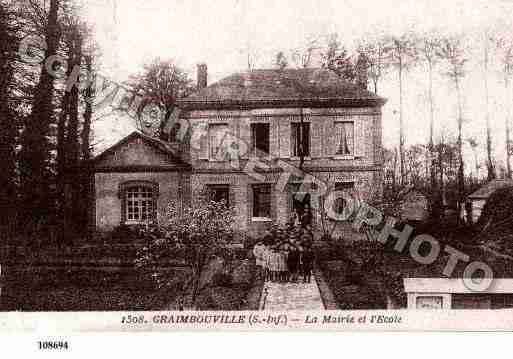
(345, 138)
(139, 203)
(260, 138)
(219, 193)
(216, 133)
(262, 201)
(298, 132)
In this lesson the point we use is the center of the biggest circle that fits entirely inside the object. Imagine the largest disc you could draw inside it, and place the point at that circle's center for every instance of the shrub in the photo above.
(222, 279)
(194, 234)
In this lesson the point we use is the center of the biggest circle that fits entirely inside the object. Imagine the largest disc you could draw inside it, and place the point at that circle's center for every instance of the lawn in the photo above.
(61, 289)
(40, 288)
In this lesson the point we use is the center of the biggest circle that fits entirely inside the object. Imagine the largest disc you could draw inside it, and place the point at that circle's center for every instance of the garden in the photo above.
(190, 261)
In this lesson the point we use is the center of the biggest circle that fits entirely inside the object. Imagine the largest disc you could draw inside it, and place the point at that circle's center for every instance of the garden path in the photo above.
(291, 296)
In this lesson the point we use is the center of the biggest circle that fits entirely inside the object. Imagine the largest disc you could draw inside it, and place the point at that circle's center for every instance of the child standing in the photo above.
(307, 260)
(292, 263)
(258, 253)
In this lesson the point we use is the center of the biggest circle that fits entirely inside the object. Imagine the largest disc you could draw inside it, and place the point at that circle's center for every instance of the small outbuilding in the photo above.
(477, 200)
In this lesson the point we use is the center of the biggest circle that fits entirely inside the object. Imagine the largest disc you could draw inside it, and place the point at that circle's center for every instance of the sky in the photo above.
(222, 33)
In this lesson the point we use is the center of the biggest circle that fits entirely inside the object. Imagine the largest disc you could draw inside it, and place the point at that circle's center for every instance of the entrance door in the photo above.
(300, 204)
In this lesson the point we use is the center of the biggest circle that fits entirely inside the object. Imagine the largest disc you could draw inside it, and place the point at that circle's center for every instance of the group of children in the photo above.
(282, 260)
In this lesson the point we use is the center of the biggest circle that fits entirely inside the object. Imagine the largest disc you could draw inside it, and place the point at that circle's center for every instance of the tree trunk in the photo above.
(88, 111)
(401, 124)
(434, 190)
(508, 148)
(491, 168)
(461, 174)
(508, 129)
(441, 173)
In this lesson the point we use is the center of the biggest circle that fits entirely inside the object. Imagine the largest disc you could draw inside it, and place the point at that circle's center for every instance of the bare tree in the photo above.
(453, 52)
(375, 51)
(402, 55)
(486, 63)
(160, 84)
(337, 59)
(504, 45)
(474, 145)
(427, 48)
(281, 61)
(302, 56)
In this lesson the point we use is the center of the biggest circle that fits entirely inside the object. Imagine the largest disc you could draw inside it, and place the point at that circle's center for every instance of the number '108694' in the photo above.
(52, 345)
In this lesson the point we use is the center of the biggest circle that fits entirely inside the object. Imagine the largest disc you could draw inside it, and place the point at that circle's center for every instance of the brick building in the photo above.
(275, 120)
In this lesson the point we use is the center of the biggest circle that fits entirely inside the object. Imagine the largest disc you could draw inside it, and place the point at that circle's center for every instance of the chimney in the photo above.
(202, 76)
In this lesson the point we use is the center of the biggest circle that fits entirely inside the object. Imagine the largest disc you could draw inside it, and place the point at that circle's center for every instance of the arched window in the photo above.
(138, 202)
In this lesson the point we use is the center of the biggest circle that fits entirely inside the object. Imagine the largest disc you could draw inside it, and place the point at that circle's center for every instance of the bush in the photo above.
(496, 222)
(498, 207)
(222, 279)
(133, 233)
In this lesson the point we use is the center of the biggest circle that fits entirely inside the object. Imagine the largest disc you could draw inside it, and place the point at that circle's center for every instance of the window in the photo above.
(259, 138)
(219, 193)
(262, 200)
(300, 203)
(300, 139)
(138, 201)
(344, 132)
(344, 186)
(216, 133)
(139, 204)
(429, 302)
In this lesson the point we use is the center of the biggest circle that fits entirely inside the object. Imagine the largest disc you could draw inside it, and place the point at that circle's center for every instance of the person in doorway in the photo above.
(306, 217)
(306, 220)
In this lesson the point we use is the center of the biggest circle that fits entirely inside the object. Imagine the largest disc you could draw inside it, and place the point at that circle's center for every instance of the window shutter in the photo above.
(359, 136)
(284, 137)
(274, 148)
(245, 137)
(273, 204)
(316, 150)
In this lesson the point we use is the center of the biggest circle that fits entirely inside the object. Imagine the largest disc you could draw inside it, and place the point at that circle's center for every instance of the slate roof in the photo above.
(278, 88)
(486, 190)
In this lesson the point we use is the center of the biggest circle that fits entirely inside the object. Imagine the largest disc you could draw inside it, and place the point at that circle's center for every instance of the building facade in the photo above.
(250, 139)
